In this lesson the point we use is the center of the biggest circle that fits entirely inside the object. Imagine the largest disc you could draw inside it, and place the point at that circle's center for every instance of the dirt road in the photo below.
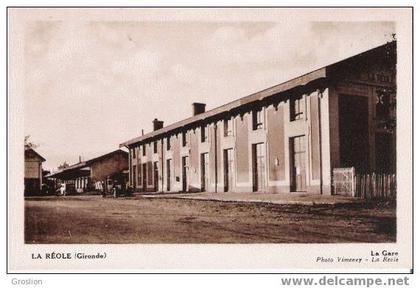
(91, 219)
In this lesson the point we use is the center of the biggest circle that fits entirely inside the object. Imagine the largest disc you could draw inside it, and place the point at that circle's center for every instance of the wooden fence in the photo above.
(374, 186)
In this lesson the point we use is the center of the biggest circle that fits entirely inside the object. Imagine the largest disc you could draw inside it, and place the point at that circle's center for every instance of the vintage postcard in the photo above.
(209, 139)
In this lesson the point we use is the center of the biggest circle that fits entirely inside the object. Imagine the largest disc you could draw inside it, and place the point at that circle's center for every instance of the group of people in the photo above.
(116, 188)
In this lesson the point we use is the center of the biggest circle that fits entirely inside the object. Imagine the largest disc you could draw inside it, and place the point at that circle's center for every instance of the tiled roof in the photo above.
(253, 98)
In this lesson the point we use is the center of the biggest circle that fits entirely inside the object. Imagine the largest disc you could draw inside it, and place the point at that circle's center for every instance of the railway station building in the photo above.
(287, 138)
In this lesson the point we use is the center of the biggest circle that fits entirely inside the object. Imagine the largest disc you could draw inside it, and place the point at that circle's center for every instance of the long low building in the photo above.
(86, 175)
(286, 138)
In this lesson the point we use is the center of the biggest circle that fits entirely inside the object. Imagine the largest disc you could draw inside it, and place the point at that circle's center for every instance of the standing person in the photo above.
(63, 189)
(115, 189)
(103, 189)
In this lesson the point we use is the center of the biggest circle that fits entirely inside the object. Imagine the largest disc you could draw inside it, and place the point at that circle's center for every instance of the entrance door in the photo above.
(185, 173)
(168, 174)
(133, 176)
(354, 132)
(156, 175)
(228, 168)
(144, 168)
(258, 153)
(298, 164)
(204, 171)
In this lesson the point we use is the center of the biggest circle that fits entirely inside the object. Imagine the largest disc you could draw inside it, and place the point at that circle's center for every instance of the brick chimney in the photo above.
(198, 108)
(157, 124)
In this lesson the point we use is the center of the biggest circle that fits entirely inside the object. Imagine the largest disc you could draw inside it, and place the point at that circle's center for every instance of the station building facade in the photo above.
(283, 139)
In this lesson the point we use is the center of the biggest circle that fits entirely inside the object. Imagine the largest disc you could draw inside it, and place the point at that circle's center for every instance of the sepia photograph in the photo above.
(211, 126)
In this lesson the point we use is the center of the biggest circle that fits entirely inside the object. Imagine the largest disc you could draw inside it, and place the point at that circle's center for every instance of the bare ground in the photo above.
(91, 219)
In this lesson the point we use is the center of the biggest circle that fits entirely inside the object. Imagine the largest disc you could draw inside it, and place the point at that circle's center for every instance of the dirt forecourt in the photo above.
(92, 219)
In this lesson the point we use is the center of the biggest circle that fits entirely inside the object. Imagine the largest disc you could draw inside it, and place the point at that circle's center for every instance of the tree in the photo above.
(63, 165)
(386, 106)
(29, 144)
(386, 97)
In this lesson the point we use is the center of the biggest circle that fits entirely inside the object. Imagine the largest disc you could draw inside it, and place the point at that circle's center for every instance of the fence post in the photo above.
(353, 192)
(379, 185)
(364, 186)
(375, 184)
(356, 184)
(383, 186)
(394, 187)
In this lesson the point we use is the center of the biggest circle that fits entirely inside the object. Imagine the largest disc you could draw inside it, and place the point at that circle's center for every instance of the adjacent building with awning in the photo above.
(84, 175)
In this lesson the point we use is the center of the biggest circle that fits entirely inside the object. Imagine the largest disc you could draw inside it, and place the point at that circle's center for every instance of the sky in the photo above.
(91, 85)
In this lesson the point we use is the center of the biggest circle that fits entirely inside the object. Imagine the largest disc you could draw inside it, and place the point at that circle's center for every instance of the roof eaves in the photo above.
(255, 97)
(90, 161)
(37, 154)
